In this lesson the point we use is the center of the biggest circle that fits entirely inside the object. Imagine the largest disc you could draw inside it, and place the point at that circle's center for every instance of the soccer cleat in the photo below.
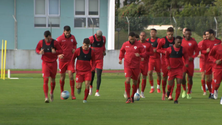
(163, 97)
(189, 96)
(204, 93)
(211, 96)
(73, 97)
(84, 101)
(215, 94)
(79, 91)
(221, 101)
(175, 102)
(132, 99)
(183, 94)
(51, 97)
(128, 100)
(170, 98)
(142, 95)
(152, 90)
(46, 100)
(158, 91)
(97, 94)
(90, 91)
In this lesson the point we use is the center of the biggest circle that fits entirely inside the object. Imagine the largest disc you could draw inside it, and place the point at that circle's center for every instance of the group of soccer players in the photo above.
(174, 56)
(64, 48)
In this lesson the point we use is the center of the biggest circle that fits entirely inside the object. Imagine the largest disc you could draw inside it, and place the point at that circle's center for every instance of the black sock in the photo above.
(93, 74)
(99, 74)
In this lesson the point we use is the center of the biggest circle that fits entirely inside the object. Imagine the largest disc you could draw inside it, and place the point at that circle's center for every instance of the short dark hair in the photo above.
(132, 34)
(170, 29)
(189, 30)
(47, 33)
(204, 33)
(137, 36)
(178, 37)
(153, 29)
(67, 28)
(86, 41)
(211, 31)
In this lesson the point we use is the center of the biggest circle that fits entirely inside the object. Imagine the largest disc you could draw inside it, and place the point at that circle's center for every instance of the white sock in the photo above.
(158, 86)
(152, 87)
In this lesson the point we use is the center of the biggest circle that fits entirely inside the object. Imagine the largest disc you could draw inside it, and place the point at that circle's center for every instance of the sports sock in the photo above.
(178, 90)
(151, 83)
(138, 84)
(158, 84)
(127, 88)
(62, 86)
(52, 87)
(72, 84)
(134, 90)
(171, 91)
(164, 86)
(209, 86)
(99, 74)
(189, 88)
(184, 86)
(45, 87)
(86, 94)
(92, 78)
(203, 85)
(143, 85)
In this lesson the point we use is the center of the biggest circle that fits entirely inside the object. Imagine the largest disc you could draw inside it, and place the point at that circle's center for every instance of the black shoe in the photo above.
(132, 99)
(211, 96)
(79, 91)
(176, 102)
(168, 94)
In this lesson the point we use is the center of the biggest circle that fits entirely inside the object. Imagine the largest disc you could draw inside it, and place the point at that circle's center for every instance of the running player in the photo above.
(49, 49)
(132, 51)
(154, 61)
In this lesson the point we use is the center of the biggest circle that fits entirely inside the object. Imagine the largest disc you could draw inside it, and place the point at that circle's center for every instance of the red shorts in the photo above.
(64, 66)
(98, 64)
(154, 64)
(202, 66)
(189, 70)
(144, 69)
(49, 69)
(133, 73)
(175, 73)
(208, 68)
(217, 74)
(83, 76)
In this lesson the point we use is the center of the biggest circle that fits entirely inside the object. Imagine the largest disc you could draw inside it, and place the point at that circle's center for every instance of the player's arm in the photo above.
(93, 60)
(196, 50)
(122, 53)
(142, 52)
(150, 50)
(167, 57)
(159, 47)
(39, 49)
(58, 49)
(212, 55)
(186, 57)
(74, 44)
(104, 45)
(76, 54)
(204, 49)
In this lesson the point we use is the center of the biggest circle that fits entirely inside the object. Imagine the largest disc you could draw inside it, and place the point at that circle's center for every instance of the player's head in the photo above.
(178, 41)
(86, 43)
(184, 30)
(204, 35)
(187, 34)
(153, 33)
(132, 37)
(47, 35)
(137, 36)
(170, 32)
(210, 34)
(142, 36)
(67, 31)
(99, 34)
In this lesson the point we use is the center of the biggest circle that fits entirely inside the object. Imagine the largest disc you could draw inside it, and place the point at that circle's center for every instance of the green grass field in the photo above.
(22, 103)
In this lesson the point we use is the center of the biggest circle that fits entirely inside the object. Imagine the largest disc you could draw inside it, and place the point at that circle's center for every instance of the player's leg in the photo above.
(79, 81)
(203, 82)
(72, 83)
(135, 76)
(178, 90)
(53, 72)
(99, 69)
(143, 86)
(62, 70)
(157, 69)
(184, 85)
(150, 75)
(128, 74)
(138, 84)
(87, 84)
(190, 80)
(92, 78)
(164, 77)
(217, 80)
(209, 77)
(45, 74)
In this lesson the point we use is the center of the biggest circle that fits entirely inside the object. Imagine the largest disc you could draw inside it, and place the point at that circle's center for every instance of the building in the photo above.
(23, 22)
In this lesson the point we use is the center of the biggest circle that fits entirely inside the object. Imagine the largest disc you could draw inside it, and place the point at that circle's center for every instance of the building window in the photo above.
(86, 13)
(47, 13)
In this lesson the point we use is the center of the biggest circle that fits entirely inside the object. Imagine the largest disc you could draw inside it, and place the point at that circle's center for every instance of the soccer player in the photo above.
(84, 55)
(215, 55)
(49, 49)
(154, 61)
(191, 46)
(97, 42)
(184, 30)
(202, 63)
(68, 44)
(164, 43)
(206, 47)
(132, 51)
(174, 61)
(144, 63)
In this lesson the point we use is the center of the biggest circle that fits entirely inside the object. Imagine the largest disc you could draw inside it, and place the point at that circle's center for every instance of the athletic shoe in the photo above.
(221, 101)
(46, 100)
(175, 102)
(84, 101)
(142, 95)
(215, 94)
(189, 96)
(152, 90)
(97, 94)
(170, 98)
(211, 96)
(90, 91)
(138, 91)
(158, 91)
(51, 97)
(128, 100)
(204, 93)
(73, 97)
(163, 97)
(183, 94)
(79, 91)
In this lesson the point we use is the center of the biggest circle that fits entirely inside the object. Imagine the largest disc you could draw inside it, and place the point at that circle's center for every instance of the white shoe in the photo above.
(204, 93)
(221, 101)
(90, 91)
(125, 95)
(215, 94)
(46, 100)
(138, 91)
(142, 95)
(84, 101)
(51, 97)
(97, 94)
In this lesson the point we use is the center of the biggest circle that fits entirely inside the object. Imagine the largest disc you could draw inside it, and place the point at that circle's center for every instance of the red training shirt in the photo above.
(202, 57)
(98, 50)
(155, 55)
(149, 51)
(216, 54)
